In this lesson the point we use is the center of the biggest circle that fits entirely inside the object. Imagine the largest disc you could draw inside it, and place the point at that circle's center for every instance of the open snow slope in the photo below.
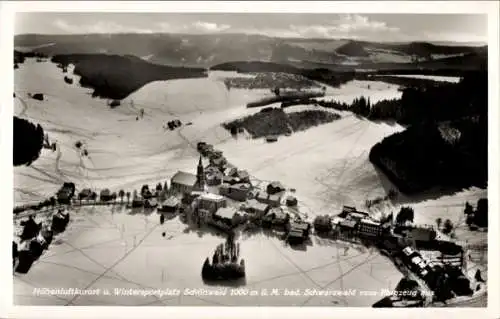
(327, 165)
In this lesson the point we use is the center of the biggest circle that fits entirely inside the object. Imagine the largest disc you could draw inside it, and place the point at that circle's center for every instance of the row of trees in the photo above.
(406, 215)
(275, 121)
(87, 194)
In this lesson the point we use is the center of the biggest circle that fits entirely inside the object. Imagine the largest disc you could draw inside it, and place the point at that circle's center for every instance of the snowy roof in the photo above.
(218, 160)
(225, 212)
(337, 220)
(171, 201)
(242, 186)
(359, 215)
(349, 209)
(262, 195)
(184, 178)
(211, 196)
(348, 223)
(369, 221)
(301, 226)
(275, 197)
(257, 205)
(243, 174)
(276, 184)
(231, 179)
(295, 233)
(278, 213)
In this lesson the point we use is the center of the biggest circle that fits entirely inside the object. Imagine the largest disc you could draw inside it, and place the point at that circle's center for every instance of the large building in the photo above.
(211, 202)
(182, 182)
(369, 228)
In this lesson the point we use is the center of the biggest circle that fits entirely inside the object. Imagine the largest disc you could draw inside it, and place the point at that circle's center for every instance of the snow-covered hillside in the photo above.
(327, 165)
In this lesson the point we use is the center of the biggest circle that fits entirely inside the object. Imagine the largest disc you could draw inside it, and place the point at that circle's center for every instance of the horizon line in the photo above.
(482, 43)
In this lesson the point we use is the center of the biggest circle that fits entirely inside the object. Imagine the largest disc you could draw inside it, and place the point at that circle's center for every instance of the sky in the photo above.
(373, 27)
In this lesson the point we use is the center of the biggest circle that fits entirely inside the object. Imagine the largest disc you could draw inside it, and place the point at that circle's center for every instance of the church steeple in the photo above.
(200, 175)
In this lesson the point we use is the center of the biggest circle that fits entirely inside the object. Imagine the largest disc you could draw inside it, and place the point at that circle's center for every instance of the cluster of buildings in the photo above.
(438, 263)
(353, 223)
(222, 195)
(34, 239)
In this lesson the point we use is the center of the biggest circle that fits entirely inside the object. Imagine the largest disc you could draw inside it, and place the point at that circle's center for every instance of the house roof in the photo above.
(265, 195)
(348, 223)
(337, 220)
(262, 195)
(302, 226)
(275, 197)
(218, 160)
(349, 209)
(184, 178)
(171, 202)
(232, 171)
(278, 212)
(359, 215)
(243, 174)
(276, 184)
(370, 222)
(212, 197)
(257, 205)
(212, 170)
(242, 186)
(225, 212)
(295, 233)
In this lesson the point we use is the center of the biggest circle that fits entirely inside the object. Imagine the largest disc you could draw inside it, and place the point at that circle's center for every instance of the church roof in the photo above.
(184, 178)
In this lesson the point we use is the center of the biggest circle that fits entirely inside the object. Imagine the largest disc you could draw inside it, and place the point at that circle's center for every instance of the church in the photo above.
(183, 182)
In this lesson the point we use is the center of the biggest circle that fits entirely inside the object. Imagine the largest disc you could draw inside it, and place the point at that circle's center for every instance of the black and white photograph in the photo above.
(253, 159)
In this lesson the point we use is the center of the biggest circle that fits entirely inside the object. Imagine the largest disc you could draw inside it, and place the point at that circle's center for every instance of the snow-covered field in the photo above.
(327, 165)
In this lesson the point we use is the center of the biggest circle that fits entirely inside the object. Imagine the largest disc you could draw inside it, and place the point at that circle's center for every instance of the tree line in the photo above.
(28, 141)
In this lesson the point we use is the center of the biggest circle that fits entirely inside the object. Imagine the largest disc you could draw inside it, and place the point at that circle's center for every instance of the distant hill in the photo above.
(115, 76)
(212, 49)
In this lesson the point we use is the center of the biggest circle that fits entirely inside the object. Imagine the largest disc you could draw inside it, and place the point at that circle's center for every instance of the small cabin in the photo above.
(170, 205)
